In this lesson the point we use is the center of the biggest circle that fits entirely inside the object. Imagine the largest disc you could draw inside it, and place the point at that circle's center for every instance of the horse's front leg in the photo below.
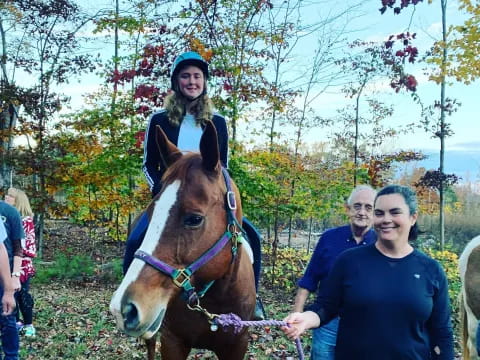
(172, 348)
(151, 344)
(233, 350)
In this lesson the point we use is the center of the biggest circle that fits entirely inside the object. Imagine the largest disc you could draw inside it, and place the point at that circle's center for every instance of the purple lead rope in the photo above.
(236, 323)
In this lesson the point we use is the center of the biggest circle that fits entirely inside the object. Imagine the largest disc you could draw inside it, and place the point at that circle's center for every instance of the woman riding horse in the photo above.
(183, 120)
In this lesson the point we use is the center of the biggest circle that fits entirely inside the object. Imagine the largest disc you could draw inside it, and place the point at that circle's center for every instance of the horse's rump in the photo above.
(469, 266)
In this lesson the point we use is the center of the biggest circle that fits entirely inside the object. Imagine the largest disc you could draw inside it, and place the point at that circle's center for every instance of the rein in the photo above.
(182, 277)
(235, 323)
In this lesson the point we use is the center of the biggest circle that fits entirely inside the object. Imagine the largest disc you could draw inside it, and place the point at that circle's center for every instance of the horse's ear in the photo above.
(169, 153)
(209, 147)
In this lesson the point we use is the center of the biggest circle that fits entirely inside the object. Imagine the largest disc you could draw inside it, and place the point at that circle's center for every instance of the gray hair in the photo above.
(357, 189)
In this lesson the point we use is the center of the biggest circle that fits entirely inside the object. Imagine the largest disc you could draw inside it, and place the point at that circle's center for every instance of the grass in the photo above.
(72, 293)
(73, 322)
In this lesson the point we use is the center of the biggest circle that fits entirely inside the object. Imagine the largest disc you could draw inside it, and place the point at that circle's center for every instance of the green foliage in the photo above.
(73, 322)
(460, 228)
(101, 159)
(449, 262)
(266, 180)
(111, 273)
(77, 267)
(282, 270)
(462, 57)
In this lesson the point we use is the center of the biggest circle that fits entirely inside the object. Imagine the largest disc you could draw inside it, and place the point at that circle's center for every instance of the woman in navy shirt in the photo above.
(391, 298)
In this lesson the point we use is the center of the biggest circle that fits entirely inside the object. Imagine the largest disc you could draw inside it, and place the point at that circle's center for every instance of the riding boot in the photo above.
(259, 313)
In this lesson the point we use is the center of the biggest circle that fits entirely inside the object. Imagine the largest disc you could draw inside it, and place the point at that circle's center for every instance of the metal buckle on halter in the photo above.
(231, 200)
(185, 277)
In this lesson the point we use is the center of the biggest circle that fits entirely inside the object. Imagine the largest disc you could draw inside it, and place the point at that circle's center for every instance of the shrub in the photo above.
(449, 262)
(289, 266)
(460, 228)
(65, 267)
(112, 272)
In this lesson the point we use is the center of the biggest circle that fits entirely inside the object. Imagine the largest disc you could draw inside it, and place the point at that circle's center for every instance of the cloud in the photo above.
(435, 29)
(473, 146)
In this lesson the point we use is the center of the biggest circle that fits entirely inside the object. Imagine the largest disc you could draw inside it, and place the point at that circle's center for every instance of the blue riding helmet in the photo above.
(186, 59)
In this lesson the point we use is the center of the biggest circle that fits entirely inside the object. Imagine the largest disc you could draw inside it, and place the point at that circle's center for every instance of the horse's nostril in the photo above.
(130, 316)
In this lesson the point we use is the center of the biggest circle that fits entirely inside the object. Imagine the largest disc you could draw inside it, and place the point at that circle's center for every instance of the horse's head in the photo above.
(187, 219)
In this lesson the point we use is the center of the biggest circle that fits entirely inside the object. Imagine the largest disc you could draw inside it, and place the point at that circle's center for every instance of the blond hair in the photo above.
(175, 104)
(21, 201)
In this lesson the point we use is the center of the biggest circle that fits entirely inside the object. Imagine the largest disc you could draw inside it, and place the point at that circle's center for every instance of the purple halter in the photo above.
(182, 277)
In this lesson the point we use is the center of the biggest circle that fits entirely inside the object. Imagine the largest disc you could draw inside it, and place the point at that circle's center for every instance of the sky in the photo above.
(463, 147)
(368, 24)
(426, 23)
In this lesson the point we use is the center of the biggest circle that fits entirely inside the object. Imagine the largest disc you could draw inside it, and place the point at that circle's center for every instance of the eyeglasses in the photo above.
(358, 207)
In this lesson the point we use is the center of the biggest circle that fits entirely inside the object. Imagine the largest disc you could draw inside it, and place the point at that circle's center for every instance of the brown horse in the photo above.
(191, 264)
(469, 265)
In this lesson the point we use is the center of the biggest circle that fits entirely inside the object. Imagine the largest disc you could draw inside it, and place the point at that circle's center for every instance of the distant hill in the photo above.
(463, 163)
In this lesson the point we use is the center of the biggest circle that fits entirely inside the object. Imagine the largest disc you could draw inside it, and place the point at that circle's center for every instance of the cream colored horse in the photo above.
(469, 265)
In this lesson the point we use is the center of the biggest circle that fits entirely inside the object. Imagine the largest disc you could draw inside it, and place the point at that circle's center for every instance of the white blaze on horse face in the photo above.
(160, 215)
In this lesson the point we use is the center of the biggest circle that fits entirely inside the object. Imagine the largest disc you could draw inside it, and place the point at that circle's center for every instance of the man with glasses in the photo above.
(333, 242)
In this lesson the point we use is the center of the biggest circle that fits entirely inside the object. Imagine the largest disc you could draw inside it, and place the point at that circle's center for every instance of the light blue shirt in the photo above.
(189, 135)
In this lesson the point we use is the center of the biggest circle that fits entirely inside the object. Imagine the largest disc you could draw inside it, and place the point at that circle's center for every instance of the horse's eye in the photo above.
(192, 220)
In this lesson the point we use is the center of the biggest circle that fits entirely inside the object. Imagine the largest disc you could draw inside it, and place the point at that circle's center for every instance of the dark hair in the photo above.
(410, 199)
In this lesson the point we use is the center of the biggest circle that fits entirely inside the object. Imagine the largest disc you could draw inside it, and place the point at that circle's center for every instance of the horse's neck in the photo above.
(238, 271)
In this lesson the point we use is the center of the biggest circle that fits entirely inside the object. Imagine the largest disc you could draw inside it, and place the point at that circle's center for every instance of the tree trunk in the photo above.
(290, 221)
(442, 127)
(274, 246)
(310, 225)
(40, 226)
(8, 120)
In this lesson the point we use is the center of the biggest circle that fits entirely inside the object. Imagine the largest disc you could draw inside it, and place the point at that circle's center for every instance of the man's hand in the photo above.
(8, 302)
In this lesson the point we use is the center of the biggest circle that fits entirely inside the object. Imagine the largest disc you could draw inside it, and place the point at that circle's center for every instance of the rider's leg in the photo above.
(134, 240)
(254, 239)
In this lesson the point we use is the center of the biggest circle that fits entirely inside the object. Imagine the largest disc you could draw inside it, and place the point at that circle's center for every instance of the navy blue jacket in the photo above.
(331, 244)
(152, 164)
